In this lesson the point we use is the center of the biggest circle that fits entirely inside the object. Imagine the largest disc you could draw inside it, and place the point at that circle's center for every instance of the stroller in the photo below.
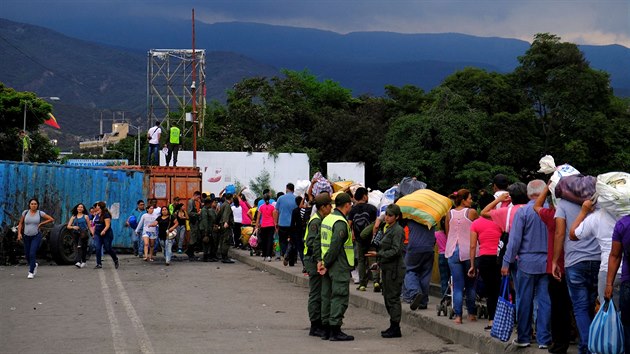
(446, 303)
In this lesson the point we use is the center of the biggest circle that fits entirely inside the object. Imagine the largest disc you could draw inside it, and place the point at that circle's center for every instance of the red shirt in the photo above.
(547, 216)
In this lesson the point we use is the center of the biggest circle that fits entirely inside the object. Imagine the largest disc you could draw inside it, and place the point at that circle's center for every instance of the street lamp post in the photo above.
(24, 128)
(137, 145)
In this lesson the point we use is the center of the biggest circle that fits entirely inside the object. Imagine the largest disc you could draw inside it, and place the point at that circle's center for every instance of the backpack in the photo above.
(360, 221)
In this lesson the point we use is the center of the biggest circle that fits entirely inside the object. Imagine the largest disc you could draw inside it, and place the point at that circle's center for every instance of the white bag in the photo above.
(249, 195)
(547, 166)
(388, 198)
(301, 186)
(613, 191)
(374, 198)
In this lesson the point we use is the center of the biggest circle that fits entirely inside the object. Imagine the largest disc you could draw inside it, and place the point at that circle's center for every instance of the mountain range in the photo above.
(96, 66)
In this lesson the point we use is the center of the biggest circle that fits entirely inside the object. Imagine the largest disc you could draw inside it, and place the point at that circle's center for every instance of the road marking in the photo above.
(143, 338)
(117, 336)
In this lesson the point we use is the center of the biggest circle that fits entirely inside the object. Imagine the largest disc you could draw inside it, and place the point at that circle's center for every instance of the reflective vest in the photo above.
(327, 233)
(313, 217)
(174, 137)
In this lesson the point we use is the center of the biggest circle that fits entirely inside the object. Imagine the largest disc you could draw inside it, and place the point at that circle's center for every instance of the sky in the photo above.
(597, 22)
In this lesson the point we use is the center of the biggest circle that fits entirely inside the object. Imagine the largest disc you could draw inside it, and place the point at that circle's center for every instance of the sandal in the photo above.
(472, 318)
(458, 320)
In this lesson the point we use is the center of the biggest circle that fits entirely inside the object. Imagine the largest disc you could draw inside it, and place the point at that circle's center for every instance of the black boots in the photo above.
(336, 335)
(393, 331)
(325, 332)
(317, 330)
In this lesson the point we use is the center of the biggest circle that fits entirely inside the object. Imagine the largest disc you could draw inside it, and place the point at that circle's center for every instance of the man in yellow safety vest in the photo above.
(336, 264)
(312, 256)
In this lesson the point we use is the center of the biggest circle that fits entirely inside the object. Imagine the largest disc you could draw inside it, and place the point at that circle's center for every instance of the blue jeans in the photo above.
(181, 235)
(167, 248)
(461, 282)
(104, 242)
(533, 288)
(624, 307)
(582, 283)
(31, 245)
(445, 272)
(154, 149)
(417, 275)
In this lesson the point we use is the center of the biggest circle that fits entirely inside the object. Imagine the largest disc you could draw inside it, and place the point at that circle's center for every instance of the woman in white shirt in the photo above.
(148, 226)
(237, 211)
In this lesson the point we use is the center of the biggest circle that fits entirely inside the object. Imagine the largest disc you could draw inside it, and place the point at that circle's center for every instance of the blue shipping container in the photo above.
(59, 188)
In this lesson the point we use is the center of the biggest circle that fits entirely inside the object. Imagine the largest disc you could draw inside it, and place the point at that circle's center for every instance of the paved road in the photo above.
(185, 308)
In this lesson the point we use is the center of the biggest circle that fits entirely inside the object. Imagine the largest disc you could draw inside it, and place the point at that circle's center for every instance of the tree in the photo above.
(12, 106)
(561, 88)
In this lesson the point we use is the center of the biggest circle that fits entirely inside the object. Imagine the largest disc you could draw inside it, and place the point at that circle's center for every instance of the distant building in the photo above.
(119, 132)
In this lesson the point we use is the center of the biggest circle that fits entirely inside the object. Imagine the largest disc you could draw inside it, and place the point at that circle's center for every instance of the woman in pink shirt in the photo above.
(458, 221)
(486, 233)
(445, 273)
(266, 226)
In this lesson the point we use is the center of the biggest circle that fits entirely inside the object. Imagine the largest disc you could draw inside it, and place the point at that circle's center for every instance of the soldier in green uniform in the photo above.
(390, 259)
(335, 266)
(312, 256)
(226, 223)
(193, 217)
(207, 226)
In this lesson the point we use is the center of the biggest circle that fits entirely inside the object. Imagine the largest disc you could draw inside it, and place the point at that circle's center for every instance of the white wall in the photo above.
(346, 171)
(221, 168)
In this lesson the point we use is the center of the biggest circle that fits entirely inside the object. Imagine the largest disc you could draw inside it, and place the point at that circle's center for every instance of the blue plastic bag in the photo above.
(605, 335)
(503, 324)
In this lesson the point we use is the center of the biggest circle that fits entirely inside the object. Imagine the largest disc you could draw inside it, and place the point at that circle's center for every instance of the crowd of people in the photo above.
(560, 256)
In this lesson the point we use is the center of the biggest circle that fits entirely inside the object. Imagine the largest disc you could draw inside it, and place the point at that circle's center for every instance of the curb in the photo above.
(469, 334)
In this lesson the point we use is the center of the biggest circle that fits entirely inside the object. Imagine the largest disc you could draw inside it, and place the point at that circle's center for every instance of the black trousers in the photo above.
(490, 273)
(265, 241)
(80, 247)
(560, 311)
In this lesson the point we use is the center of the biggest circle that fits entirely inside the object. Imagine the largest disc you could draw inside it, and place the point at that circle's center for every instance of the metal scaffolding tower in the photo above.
(169, 81)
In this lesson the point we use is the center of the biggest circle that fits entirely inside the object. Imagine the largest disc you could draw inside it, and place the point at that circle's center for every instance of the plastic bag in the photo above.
(424, 206)
(409, 185)
(576, 188)
(613, 191)
(605, 335)
(388, 198)
(321, 184)
(374, 198)
(230, 189)
(249, 195)
(253, 239)
(301, 187)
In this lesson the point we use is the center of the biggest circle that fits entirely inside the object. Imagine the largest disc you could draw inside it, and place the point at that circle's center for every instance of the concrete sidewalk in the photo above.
(469, 334)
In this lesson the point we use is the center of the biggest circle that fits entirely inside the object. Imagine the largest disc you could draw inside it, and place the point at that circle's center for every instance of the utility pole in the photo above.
(194, 92)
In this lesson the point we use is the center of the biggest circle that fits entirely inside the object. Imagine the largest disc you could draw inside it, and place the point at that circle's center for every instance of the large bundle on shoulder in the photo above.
(613, 190)
(548, 166)
(424, 206)
(576, 188)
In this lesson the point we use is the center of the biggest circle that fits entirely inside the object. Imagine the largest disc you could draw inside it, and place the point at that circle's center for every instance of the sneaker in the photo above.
(361, 288)
(116, 264)
(98, 266)
(227, 260)
(285, 261)
(83, 265)
(180, 251)
(543, 346)
(35, 270)
(78, 264)
(30, 275)
(520, 345)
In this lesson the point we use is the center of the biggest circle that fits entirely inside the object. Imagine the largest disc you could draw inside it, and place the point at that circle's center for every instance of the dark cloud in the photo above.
(582, 21)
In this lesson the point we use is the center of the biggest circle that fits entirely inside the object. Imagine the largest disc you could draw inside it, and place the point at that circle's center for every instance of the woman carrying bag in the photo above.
(79, 223)
(29, 233)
